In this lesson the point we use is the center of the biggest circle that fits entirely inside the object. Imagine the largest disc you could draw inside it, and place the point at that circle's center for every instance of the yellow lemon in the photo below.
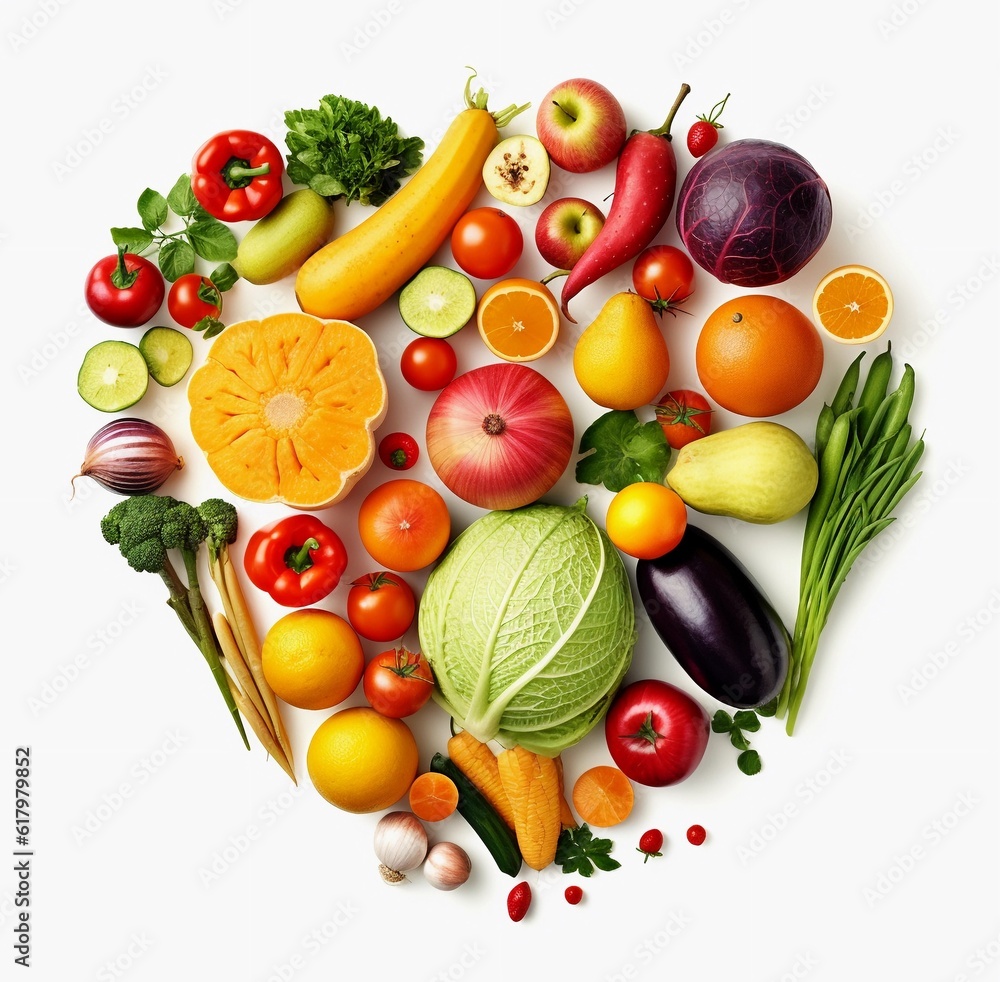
(362, 761)
(312, 659)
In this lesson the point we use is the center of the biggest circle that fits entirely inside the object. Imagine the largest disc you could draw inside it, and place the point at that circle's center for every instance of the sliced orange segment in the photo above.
(603, 796)
(284, 408)
(433, 796)
(853, 304)
(518, 319)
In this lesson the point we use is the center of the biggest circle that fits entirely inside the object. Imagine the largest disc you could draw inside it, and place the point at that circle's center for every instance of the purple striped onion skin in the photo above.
(130, 456)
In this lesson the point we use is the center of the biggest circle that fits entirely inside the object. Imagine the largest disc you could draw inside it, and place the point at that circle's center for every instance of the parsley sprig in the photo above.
(737, 726)
(345, 149)
(620, 450)
(579, 852)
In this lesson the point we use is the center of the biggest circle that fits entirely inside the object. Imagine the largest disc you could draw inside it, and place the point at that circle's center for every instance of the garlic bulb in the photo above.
(447, 866)
(400, 845)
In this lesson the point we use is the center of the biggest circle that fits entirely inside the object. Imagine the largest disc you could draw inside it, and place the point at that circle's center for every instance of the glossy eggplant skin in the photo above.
(715, 620)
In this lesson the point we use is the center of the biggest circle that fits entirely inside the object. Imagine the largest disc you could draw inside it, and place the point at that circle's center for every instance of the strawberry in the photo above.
(519, 900)
(704, 134)
(650, 843)
(573, 894)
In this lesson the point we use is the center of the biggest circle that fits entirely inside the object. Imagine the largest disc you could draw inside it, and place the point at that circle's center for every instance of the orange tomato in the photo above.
(646, 520)
(404, 524)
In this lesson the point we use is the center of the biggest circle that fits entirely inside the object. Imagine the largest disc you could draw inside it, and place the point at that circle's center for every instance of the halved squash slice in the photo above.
(285, 408)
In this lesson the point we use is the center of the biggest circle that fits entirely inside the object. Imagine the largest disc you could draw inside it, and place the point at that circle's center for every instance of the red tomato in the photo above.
(663, 274)
(685, 417)
(428, 363)
(397, 682)
(124, 290)
(380, 606)
(487, 243)
(656, 733)
(192, 298)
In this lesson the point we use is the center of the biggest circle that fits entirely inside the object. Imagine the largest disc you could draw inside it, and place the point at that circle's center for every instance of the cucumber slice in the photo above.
(168, 354)
(438, 302)
(113, 376)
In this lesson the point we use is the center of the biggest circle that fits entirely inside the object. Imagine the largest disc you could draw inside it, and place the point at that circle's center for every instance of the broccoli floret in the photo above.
(182, 528)
(221, 522)
(136, 520)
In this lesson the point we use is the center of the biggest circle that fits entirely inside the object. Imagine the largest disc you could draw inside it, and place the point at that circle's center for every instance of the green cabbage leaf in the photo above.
(529, 625)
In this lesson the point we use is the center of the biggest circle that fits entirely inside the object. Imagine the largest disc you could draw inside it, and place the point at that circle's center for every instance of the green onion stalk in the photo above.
(867, 463)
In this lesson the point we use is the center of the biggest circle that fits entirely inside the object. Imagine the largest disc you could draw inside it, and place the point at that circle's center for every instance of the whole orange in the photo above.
(759, 355)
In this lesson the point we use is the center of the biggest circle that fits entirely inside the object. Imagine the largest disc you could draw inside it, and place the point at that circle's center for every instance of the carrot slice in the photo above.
(603, 796)
(433, 796)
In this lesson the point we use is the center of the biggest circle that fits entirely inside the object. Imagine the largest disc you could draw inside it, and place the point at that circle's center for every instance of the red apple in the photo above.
(564, 230)
(581, 125)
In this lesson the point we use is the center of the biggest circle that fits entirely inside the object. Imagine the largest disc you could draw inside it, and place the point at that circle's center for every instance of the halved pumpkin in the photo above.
(285, 408)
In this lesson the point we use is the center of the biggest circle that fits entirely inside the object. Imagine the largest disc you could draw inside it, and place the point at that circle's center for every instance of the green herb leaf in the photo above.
(749, 762)
(746, 719)
(769, 708)
(579, 852)
(134, 239)
(212, 240)
(620, 450)
(152, 208)
(176, 258)
(345, 149)
(209, 327)
(722, 722)
(224, 277)
(181, 198)
(738, 740)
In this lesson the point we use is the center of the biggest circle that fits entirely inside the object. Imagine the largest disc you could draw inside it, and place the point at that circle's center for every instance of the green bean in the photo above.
(848, 386)
(830, 464)
(895, 418)
(900, 443)
(824, 425)
(874, 389)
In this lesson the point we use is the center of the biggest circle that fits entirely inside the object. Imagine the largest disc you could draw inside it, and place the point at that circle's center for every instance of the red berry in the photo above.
(573, 895)
(701, 138)
(704, 134)
(650, 843)
(398, 451)
(518, 900)
(696, 835)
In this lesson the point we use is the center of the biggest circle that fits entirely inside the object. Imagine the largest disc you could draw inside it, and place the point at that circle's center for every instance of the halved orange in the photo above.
(603, 796)
(284, 408)
(518, 319)
(853, 304)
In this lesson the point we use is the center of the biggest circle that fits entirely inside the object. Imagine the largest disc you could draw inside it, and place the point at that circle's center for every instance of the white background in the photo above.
(866, 848)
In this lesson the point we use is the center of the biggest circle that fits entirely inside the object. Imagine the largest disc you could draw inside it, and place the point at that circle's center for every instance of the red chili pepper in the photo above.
(645, 182)
(236, 176)
(398, 451)
(297, 560)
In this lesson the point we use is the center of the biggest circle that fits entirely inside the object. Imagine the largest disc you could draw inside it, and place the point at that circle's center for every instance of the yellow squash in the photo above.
(362, 268)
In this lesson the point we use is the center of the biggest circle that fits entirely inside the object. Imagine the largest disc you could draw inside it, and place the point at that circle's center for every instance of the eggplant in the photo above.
(715, 620)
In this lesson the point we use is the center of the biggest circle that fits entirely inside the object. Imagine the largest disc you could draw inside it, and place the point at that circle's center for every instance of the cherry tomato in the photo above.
(685, 417)
(380, 606)
(428, 363)
(487, 243)
(124, 290)
(664, 275)
(573, 894)
(646, 520)
(192, 298)
(397, 682)
(398, 451)
(696, 835)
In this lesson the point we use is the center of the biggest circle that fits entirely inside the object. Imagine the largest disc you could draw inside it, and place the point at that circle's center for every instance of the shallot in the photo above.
(130, 456)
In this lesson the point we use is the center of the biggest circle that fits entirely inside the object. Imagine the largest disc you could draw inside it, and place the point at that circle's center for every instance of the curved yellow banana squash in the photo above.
(356, 272)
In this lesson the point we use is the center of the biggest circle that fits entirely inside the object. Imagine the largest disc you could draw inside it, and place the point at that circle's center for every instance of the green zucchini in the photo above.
(496, 834)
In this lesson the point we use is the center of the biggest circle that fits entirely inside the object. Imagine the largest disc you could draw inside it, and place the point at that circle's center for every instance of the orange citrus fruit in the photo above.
(758, 355)
(404, 524)
(433, 796)
(646, 520)
(312, 658)
(362, 761)
(603, 796)
(518, 319)
(853, 304)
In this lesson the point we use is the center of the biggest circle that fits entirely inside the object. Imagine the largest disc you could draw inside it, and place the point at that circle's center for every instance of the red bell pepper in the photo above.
(236, 176)
(297, 560)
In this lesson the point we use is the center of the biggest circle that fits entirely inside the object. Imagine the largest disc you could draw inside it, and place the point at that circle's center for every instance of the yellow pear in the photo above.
(621, 360)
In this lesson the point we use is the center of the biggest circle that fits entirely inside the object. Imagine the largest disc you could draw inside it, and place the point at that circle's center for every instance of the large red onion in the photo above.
(130, 456)
(500, 436)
